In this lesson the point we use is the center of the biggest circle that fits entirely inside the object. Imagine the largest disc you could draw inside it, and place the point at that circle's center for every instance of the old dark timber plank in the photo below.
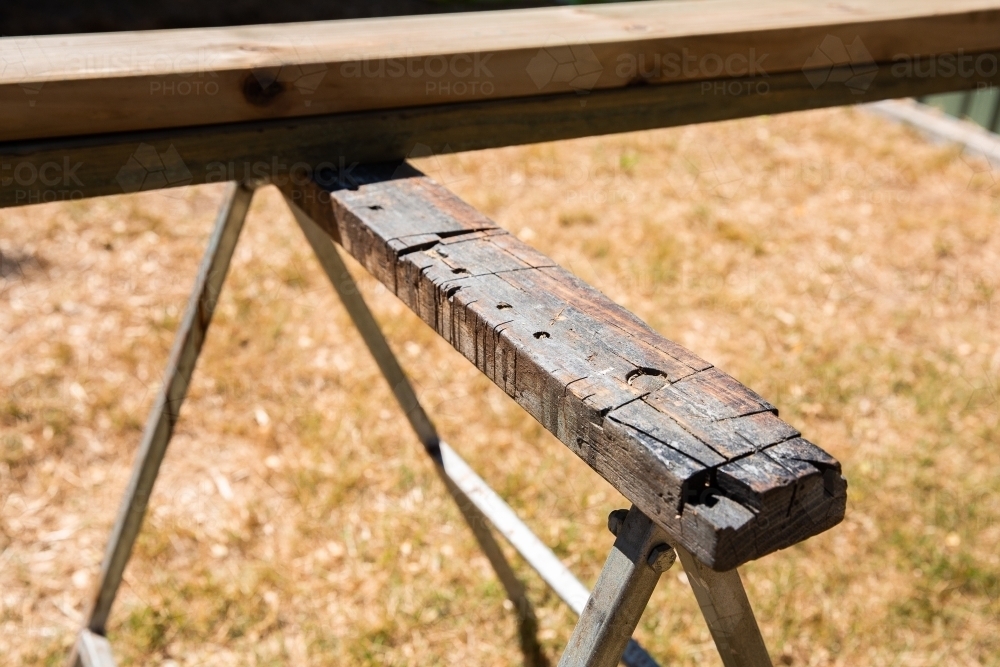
(698, 452)
(106, 164)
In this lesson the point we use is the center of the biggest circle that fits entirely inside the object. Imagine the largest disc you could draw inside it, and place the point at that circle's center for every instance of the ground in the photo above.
(837, 263)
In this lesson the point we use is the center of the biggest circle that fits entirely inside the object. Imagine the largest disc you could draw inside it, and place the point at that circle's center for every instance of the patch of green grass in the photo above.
(628, 161)
(576, 219)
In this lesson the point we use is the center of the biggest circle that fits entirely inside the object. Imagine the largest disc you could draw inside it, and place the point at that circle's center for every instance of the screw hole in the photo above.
(542, 334)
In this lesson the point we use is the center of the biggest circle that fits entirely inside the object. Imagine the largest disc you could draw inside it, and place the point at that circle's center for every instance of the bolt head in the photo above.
(616, 520)
(661, 557)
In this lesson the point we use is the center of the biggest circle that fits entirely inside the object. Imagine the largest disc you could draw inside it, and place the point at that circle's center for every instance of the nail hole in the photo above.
(504, 306)
(542, 334)
(376, 207)
(459, 270)
(451, 291)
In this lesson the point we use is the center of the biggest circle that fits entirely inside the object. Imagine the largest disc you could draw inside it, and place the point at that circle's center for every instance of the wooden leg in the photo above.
(159, 428)
(727, 611)
(640, 554)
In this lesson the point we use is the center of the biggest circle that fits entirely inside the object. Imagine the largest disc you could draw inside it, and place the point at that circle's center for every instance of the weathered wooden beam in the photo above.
(91, 84)
(77, 167)
(703, 456)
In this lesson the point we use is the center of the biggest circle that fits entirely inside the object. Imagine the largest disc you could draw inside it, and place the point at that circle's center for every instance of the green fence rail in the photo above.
(981, 106)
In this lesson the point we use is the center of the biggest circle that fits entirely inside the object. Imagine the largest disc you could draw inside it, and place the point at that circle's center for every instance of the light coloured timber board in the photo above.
(61, 169)
(89, 84)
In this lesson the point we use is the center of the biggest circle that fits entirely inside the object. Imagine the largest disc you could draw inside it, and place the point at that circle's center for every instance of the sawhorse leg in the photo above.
(727, 612)
(640, 554)
(347, 290)
(90, 649)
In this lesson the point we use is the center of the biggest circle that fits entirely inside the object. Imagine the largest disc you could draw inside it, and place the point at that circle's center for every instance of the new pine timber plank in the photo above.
(124, 162)
(703, 456)
(90, 84)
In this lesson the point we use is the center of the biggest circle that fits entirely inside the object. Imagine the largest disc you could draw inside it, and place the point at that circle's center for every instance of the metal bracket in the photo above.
(637, 559)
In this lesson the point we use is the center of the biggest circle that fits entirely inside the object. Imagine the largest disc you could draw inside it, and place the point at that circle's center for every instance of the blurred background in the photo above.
(49, 17)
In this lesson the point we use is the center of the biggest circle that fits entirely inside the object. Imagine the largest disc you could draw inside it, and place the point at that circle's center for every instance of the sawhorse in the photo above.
(608, 615)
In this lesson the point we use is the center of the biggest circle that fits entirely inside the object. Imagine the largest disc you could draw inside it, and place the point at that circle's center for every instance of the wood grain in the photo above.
(703, 456)
(77, 167)
(91, 84)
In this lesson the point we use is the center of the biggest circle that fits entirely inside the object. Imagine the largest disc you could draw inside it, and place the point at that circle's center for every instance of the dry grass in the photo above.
(836, 263)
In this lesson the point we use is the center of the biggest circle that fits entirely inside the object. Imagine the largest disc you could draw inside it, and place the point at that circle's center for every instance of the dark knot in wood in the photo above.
(260, 87)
